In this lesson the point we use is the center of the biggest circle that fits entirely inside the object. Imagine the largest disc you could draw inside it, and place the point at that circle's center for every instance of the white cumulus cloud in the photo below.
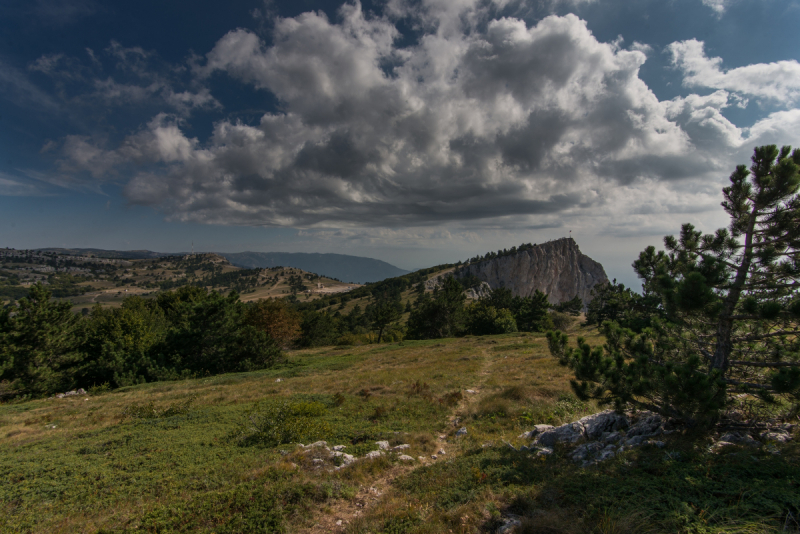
(778, 81)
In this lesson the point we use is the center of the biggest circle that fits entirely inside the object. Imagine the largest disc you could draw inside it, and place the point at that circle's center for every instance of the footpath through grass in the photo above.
(203, 455)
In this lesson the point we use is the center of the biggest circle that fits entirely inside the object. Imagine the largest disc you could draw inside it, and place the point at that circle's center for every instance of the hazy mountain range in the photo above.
(346, 268)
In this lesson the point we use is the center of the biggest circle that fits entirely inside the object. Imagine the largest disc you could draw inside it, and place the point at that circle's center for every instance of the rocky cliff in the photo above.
(557, 268)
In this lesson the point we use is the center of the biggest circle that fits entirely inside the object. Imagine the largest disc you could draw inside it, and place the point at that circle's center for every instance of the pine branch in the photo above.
(758, 337)
(766, 364)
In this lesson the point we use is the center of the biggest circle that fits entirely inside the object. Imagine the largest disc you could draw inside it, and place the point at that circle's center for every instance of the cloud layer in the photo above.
(482, 119)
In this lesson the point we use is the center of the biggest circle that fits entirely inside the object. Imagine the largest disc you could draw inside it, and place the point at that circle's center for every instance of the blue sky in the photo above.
(417, 132)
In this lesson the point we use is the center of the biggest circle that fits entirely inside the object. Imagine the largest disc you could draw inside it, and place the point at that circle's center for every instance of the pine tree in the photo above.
(730, 307)
(40, 341)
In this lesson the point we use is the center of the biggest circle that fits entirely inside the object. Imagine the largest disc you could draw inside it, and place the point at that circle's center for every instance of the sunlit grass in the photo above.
(163, 457)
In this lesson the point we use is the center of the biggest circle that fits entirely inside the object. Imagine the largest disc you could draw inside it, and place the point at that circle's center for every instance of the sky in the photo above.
(418, 132)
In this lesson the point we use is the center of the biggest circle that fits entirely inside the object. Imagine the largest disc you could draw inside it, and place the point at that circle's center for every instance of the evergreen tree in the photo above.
(384, 311)
(532, 313)
(615, 302)
(441, 315)
(119, 343)
(39, 345)
(573, 306)
(730, 304)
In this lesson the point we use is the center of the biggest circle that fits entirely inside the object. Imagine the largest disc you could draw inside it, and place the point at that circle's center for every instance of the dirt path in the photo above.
(342, 513)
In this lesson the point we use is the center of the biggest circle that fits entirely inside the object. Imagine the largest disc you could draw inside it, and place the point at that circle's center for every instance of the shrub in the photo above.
(271, 424)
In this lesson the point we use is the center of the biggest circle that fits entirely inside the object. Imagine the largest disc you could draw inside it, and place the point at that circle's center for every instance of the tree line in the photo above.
(191, 332)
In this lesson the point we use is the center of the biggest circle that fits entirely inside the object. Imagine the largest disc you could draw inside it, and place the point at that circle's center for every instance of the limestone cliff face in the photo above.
(557, 268)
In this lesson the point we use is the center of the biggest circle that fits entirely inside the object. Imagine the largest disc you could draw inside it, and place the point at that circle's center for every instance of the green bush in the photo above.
(273, 424)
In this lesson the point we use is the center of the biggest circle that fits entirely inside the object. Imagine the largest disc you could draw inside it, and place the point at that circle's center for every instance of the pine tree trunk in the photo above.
(722, 351)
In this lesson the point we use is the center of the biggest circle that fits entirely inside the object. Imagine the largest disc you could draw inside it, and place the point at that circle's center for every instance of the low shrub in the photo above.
(149, 410)
(273, 424)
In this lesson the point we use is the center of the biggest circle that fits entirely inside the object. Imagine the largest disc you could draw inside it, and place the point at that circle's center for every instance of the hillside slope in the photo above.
(346, 268)
(201, 455)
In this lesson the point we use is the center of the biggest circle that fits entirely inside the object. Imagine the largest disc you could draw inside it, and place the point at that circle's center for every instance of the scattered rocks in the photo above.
(73, 393)
(402, 447)
(602, 436)
(461, 432)
(405, 458)
(374, 454)
(339, 447)
(382, 445)
(278, 380)
(605, 435)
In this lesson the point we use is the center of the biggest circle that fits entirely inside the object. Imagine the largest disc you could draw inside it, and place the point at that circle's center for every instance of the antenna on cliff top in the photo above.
(570, 234)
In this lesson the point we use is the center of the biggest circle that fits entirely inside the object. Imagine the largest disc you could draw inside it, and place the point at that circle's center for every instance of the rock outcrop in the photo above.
(557, 268)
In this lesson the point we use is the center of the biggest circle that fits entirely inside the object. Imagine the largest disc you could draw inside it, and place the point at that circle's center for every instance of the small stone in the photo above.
(508, 526)
(421, 458)
(716, 447)
(461, 432)
(402, 447)
(433, 456)
(537, 429)
(405, 458)
(382, 445)
(346, 458)
(740, 438)
(317, 460)
(778, 436)
(442, 437)
(471, 391)
(373, 454)
(635, 441)
(339, 448)
(318, 444)
(81, 391)
(606, 454)
(441, 451)
(544, 451)
(339, 523)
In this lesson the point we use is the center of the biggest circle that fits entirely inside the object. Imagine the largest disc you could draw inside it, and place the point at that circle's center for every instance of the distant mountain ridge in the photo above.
(346, 268)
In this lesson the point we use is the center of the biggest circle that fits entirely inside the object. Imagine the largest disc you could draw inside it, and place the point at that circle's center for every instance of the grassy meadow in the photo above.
(198, 455)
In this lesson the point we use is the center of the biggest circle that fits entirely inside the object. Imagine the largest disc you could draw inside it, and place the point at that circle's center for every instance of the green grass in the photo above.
(200, 456)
